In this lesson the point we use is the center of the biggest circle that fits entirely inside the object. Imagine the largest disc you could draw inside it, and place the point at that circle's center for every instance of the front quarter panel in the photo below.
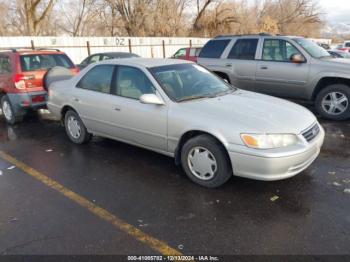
(181, 121)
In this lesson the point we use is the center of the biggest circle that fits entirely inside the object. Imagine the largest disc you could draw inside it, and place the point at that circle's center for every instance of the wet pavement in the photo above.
(310, 216)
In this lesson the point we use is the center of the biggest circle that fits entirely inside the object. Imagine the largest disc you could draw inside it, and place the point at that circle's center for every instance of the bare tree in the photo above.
(79, 18)
(35, 12)
(202, 6)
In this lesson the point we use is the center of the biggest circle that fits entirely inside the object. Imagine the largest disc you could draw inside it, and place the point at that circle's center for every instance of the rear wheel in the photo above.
(205, 161)
(333, 102)
(75, 128)
(8, 111)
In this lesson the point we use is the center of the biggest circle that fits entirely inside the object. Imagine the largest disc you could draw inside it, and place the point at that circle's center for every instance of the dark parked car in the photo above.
(104, 56)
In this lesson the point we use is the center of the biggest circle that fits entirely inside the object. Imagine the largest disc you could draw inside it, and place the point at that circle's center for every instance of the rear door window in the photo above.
(98, 79)
(214, 48)
(38, 62)
(244, 49)
(5, 65)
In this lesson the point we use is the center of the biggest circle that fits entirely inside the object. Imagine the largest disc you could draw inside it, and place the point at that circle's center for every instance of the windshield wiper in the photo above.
(195, 97)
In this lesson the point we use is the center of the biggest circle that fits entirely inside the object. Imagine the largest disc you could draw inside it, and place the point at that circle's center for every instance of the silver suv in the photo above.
(283, 66)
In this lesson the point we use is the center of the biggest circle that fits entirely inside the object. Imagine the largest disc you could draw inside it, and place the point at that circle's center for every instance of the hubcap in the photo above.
(202, 163)
(6, 109)
(335, 103)
(73, 127)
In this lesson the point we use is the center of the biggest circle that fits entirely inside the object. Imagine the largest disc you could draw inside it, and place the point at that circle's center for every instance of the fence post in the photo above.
(163, 44)
(130, 47)
(32, 44)
(88, 47)
(190, 42)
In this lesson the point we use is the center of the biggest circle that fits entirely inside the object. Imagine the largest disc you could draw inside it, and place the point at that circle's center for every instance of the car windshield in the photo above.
(38, 62)
(312, 48)
(184, 82)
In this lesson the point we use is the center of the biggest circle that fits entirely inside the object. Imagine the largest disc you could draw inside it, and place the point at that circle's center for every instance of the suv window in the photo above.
(98, 79)
(214, 48)
(278, 50)
(37, 62)
(244, 49)
(181, 52)
(5, 65)
(132, 83)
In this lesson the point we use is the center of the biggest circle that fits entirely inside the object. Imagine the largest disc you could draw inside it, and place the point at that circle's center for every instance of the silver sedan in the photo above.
(181, 110)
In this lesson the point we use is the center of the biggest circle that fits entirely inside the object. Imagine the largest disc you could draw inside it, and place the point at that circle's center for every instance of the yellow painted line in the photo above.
(148, 240)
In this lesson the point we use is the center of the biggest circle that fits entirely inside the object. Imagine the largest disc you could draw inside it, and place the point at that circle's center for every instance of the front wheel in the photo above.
(8, 111)
(205, 161)
(333, 102)
(75, 128)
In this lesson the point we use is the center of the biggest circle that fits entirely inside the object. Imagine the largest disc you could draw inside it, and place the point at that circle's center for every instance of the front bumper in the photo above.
(274, 164)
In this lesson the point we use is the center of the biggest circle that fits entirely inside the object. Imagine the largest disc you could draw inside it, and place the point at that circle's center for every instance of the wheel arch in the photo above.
(326, 81)
(222, 75)
(64, 110)
(191, 134)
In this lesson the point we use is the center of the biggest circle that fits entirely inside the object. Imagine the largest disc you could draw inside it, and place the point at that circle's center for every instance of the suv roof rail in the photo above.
(14, 49)
(260, 34)
(43, 48)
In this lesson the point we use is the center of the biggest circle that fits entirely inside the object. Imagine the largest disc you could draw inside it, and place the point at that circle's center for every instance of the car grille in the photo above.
(311, 133)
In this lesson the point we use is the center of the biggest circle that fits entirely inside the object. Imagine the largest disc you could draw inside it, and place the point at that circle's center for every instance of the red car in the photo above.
(190, 53)
(21, 79)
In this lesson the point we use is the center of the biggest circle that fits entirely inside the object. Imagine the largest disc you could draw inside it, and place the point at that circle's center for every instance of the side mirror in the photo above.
(151, 99)
(297, 58)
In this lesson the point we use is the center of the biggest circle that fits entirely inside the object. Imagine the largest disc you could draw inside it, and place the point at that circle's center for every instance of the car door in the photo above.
(93, 101)
(241, 62)
(276, 74)
(134, 122)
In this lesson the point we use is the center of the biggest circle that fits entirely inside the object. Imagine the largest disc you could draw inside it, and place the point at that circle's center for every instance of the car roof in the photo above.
(226, 37)
(126, 54)
(145, 62)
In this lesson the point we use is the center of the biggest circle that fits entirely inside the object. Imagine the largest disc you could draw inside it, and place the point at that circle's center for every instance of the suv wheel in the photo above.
(205, 162)
(333, 102)
(75, 128)
(7, 111)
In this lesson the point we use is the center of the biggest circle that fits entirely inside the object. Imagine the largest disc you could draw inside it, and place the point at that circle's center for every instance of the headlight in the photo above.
(268, 141)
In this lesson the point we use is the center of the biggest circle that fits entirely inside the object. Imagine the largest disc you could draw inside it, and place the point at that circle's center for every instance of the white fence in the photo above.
(77, 48)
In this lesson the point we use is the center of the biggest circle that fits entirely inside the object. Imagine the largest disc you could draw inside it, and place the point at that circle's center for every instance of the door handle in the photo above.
(76, 99)
(228, 65)
(264, 67)
(116, 108)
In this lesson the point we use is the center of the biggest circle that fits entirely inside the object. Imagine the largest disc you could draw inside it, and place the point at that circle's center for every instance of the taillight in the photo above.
(19, 80)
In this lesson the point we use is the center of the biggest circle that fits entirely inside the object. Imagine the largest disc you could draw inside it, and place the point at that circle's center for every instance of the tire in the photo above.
(75, 128)
(210, 150)
(325, 102)
(8, 112)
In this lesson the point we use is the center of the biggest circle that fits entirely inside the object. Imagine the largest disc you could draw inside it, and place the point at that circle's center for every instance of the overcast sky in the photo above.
(337, 10)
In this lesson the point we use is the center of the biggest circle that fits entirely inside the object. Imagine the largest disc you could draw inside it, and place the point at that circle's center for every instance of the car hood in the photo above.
(251, 112)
